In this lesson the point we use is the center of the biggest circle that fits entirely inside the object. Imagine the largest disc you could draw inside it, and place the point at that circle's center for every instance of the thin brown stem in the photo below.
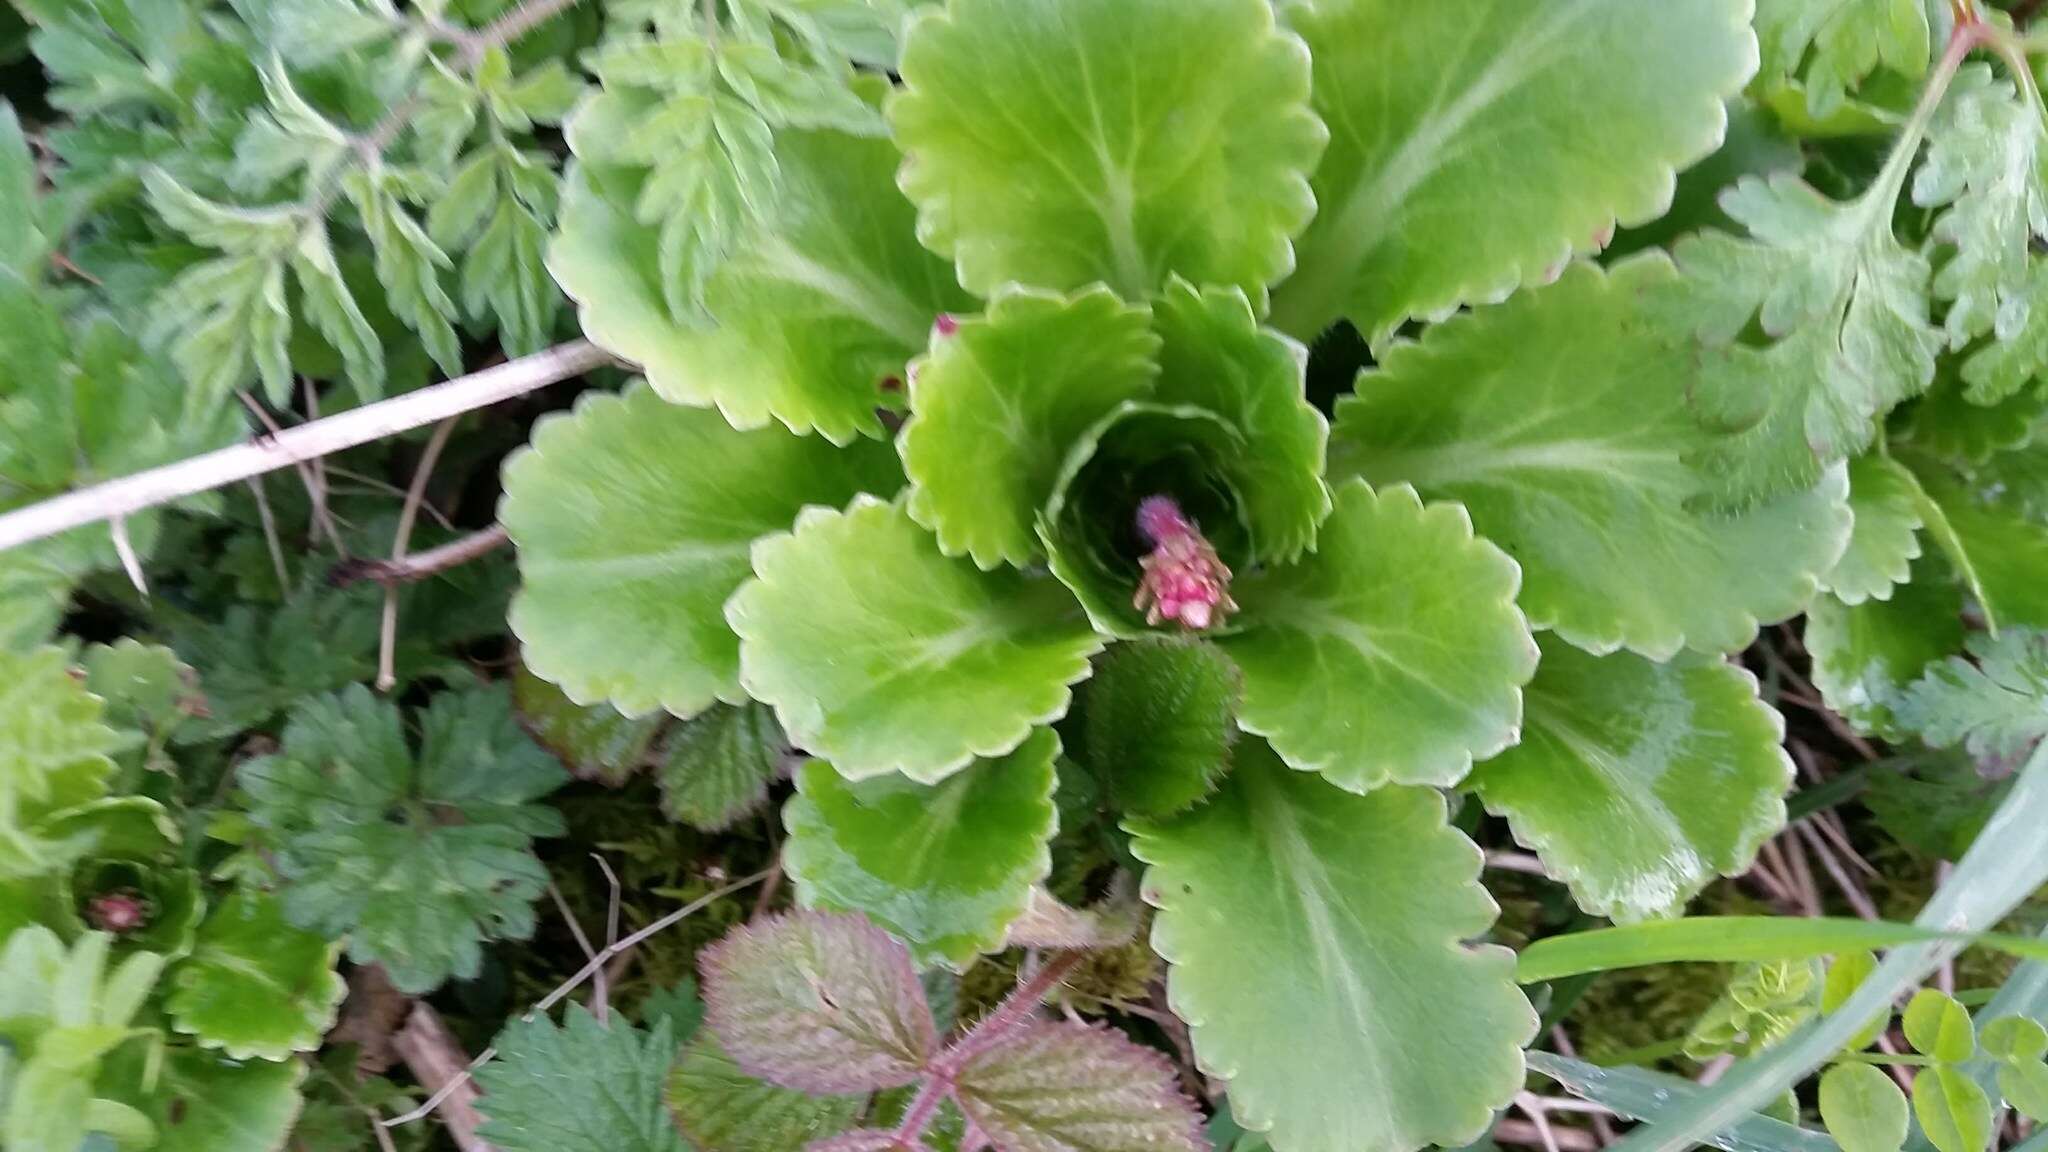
(416, 566)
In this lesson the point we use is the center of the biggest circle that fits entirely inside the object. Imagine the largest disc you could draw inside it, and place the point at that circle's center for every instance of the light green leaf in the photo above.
(2015, 1038)
(1886, 502)
(332, 310)
(582, 1087)
(1954, 1112)
(203, 1103)
(254, 986)
(1064, 143)
(1995, 704)
(1846, 973)
(1559, 420)
(1314, 938)
(633, 519)
(1945, 424)
(145, 686)
(1597, 106)
(1742, 940)
(882, 655)
(1992, 538)
(720, 1108)
(1638, 783)
(1936, 1025)
(810, 318)
(997, 405)
(1833, 45)
(23, 243)
(717, 767)
(1216, 357)
(1159, 723)
(2024, 1085)
(944, 868)
(53, 755)
(1865, 657)
(1394, 653)
(227, 322)
(1863, 1109)
(1843, 308)
(409, 264)
(1642, 1094)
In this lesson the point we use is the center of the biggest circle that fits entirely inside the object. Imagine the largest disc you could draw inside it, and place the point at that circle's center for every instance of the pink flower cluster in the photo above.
(1183, 579)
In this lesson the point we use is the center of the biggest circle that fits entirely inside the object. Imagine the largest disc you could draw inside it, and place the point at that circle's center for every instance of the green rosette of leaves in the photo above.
(975, 441)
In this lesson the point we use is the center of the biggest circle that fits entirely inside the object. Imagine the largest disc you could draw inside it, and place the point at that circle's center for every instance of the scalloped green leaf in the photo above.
(720, 1108)
(634, 518)
(1159, 722)
(809, 318)
(882, 655)
(1551, 123)
(1864, 657)
(717, 767)
(202, 1103)
(1886, 503)
(254, 986)
(1067, 142)
(1638, 783)
(1215, 356)
(1393, 654)
(1559, 420)
(597, 742)
(996, 405)
(53, 755)
(945, 868)
(1314, 938)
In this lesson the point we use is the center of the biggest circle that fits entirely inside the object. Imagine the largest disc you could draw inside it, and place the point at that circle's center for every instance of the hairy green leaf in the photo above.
(1550, 122)
(1314, 942)
(1160, 723)
(594, 743)
(820, 1003)
(417, 856)
(720, 1108)
(717, 767)
(997, 405)
(1638, 783)
(1066, 143)
(945, 868)
(1394, 653)
(1573, 462)
(634, 518)
(1061, 1087)
(580, 1087)
(882, 655)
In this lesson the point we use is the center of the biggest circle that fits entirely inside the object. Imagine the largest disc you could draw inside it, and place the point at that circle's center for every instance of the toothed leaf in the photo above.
(1075, 1088)
(580, 1087)
(717, 767)
(597, 742)
(1160, 723)
(1995, 703)
(254, 986)
(1884, 540)
(720, 1108)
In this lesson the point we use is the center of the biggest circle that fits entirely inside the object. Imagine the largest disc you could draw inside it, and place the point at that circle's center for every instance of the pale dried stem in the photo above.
(416, 566)
(408, 515)
(315, 493)
(1844, 883)
(294, 446)
(1525, 1134)
(600, 994)
(270, 540)
(440, 1065)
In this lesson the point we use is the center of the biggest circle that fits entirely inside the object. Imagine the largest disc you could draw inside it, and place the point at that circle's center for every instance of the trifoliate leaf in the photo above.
(1995, 704)
(1885, 503)
(1842, 307)
(1863, 1110)
(1062, 1087)
(810, 319)
(633, 519)
(1393, 653)
(203, 1103)
(1214, 356)
(582, 1087)
(881, 655)
(1160, 722)
(1314, 942)
(1984, 170)
(717, 767)
(1066, 143)
(720, 1108)
(594, 743)
(418, 857)
(1833, 45)
(944, 868)
(1953, 1110)
(1599, 107)
(1572, 461)
(1638, 783)
(254, 986)
(997, 405)
(1937, 1025)
(820, 1003)
(1865, 657)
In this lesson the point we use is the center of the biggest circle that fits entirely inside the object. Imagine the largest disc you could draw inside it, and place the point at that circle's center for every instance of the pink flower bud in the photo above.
(1184, 580)
(119, 912)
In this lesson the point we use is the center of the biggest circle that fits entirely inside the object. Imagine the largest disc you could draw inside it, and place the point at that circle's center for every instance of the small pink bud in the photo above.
(945, 325)
(119, 912)
(1184, 580)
